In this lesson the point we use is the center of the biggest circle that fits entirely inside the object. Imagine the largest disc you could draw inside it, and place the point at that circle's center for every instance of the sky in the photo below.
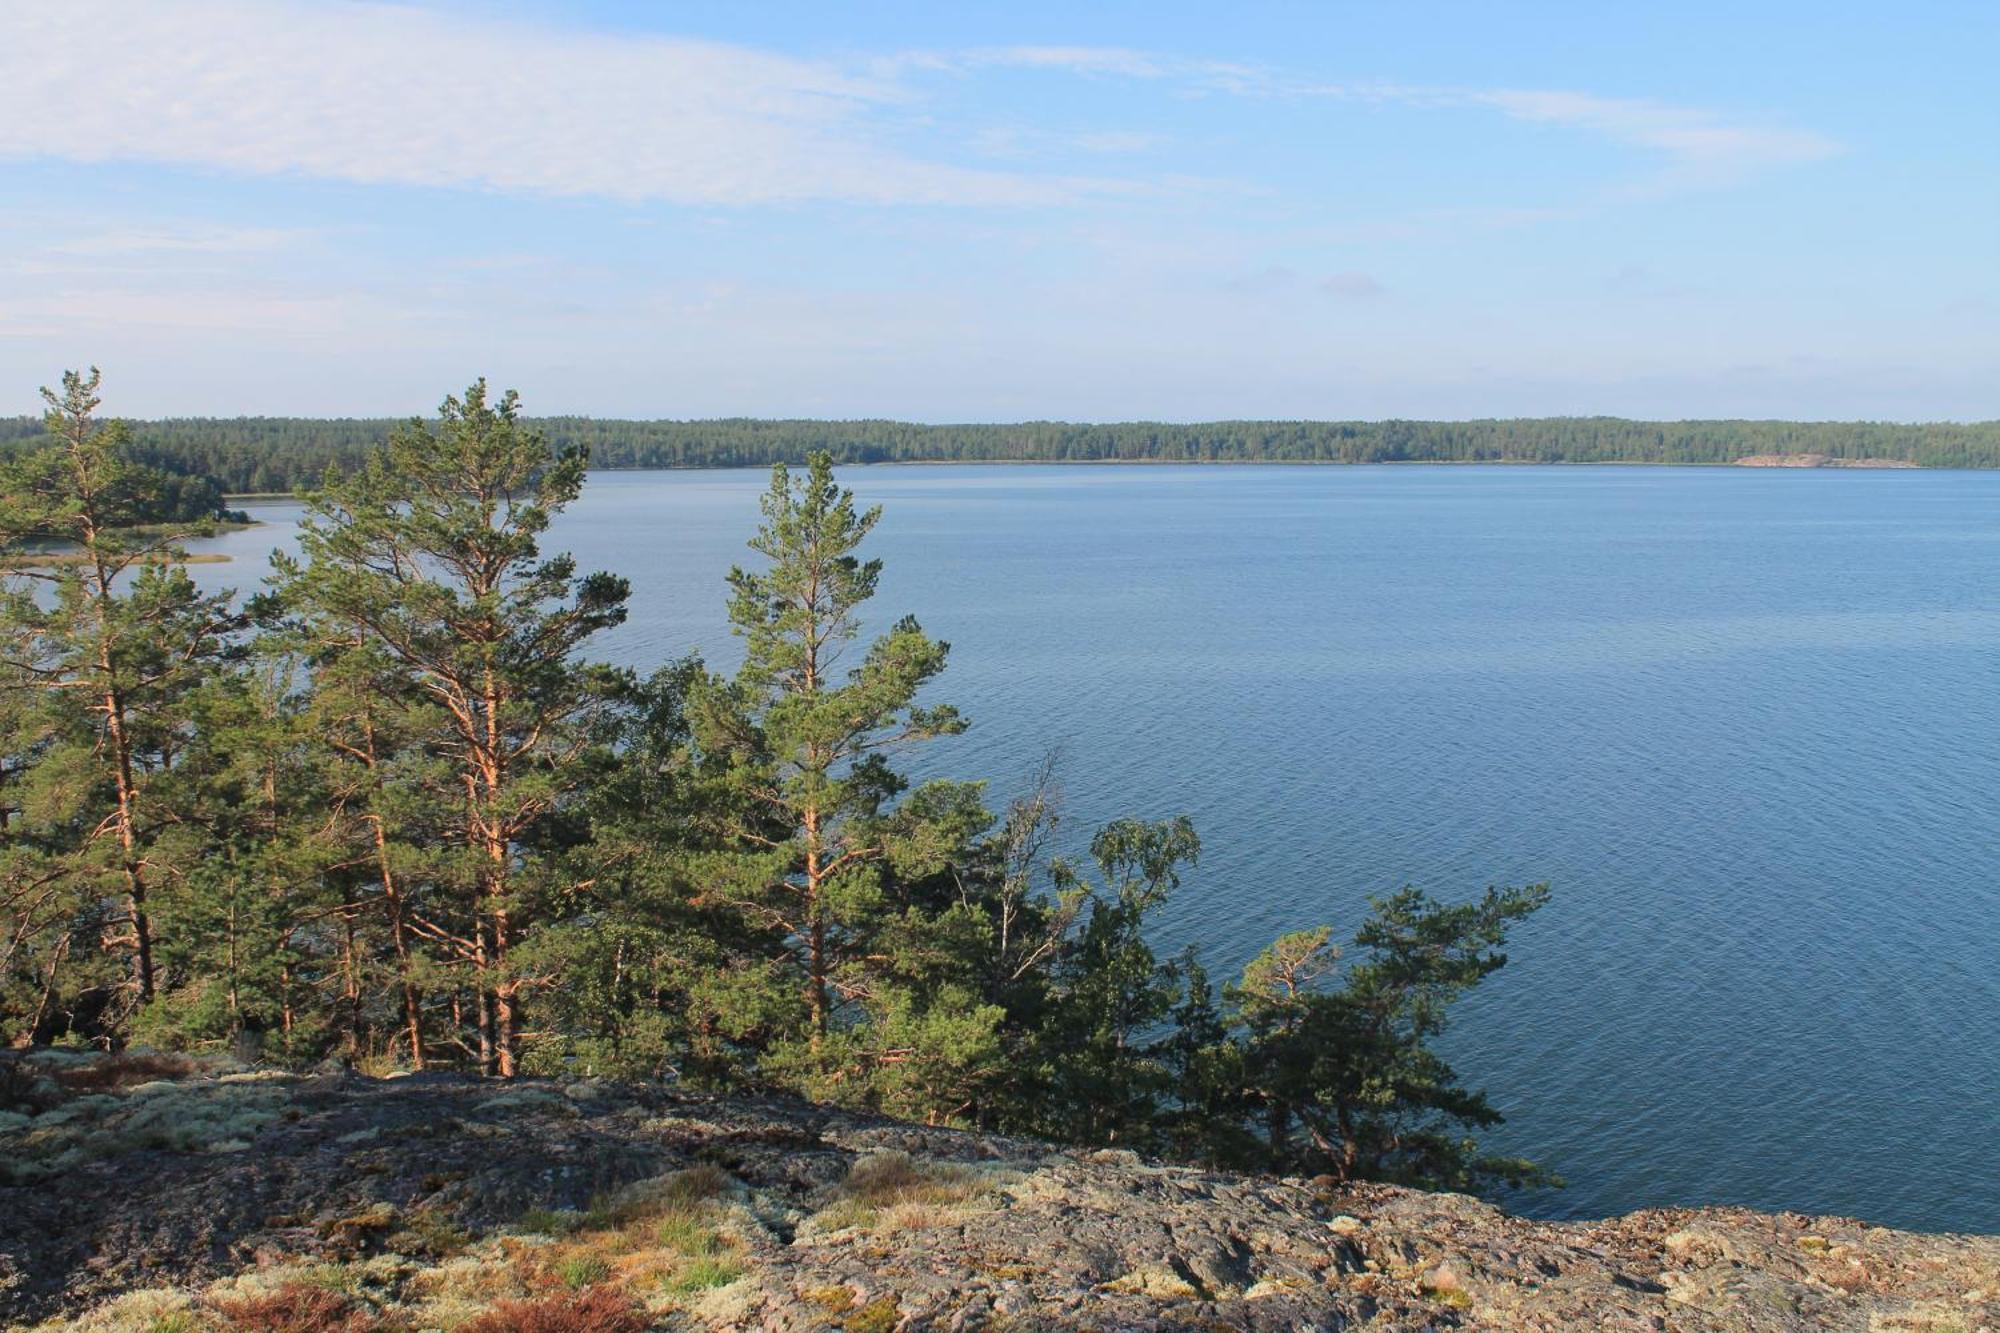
(949, 211)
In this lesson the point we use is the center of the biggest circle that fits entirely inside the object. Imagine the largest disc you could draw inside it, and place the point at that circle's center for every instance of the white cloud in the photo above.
(379, 93)
(1700, 146)
(384, 94)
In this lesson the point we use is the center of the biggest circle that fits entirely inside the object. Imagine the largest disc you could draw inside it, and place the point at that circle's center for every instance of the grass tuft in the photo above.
(702, 1275)
(582, 1270)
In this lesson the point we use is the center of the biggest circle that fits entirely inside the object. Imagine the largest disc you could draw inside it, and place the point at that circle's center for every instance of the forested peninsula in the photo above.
(258, 454)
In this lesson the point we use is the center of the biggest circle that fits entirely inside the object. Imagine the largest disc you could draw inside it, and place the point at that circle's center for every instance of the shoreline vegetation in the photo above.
(389, 813)
(263, 455)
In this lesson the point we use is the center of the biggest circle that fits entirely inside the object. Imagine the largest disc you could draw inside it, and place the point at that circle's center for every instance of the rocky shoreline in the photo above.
(204, 1200)
(1821, 460)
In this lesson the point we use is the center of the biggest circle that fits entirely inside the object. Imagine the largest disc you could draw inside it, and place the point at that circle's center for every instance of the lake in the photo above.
(1746, 723)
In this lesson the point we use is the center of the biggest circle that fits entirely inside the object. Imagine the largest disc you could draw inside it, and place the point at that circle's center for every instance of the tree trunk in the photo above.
(412, 1008)
(128, 834)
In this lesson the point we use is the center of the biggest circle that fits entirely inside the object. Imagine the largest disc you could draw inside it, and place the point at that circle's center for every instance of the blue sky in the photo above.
(998, 212)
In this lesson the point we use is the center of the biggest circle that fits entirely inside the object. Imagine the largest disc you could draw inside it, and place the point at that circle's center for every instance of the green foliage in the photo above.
(701, 1274)
(388, 812)
(812, 827)
(252, 454)
(102, 661)
(425, 565)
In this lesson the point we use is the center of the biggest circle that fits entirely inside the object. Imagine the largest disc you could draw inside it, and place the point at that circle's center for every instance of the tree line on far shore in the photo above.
(387, 810)
(262, 454)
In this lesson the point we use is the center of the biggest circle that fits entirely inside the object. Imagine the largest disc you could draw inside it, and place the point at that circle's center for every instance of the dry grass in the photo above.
(592, 1310)
(892, 1191)
(115, 1073)
(296, 1307)
(659, 1235)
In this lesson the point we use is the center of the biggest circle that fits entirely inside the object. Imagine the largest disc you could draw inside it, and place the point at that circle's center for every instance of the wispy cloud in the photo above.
(182, 239)
(380, 93)
(1700, 147)
(385, 94)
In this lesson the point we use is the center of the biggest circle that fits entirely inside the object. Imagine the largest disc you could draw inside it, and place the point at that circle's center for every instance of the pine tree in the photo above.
(1100, 1051)
(428, 557)
(111, 640)
(1344, 1078)
(815, 829)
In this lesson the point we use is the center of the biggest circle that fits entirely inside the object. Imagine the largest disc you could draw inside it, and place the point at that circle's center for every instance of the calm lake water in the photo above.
(1746, 723)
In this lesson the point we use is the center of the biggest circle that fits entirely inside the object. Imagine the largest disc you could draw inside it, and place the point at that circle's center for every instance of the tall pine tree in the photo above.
(428, 557)
(815, 826)
(110, 641)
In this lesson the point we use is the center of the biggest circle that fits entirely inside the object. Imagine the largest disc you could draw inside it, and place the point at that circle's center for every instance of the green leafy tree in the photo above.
(428, 557)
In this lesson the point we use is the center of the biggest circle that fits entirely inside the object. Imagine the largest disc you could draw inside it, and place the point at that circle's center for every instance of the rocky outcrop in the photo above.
(1820, 460)
(422, 1202)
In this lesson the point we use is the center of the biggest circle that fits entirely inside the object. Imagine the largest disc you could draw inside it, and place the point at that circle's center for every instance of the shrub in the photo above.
(592, 1310)
(296, 1307)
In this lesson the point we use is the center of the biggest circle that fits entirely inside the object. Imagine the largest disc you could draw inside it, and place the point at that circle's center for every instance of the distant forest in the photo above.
(280, 453)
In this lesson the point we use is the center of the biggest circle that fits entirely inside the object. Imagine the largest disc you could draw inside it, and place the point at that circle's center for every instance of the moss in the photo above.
(833, 1300)
(878, 1316)
(376, 1217)
(891, 1190)
(1451, 1296)
(527, 1099)
(429, 1232)
(675, 1193)
(203, 1116)
(139, 1312)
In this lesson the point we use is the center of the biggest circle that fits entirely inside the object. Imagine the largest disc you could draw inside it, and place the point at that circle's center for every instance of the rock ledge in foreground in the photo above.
(433, 1201)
